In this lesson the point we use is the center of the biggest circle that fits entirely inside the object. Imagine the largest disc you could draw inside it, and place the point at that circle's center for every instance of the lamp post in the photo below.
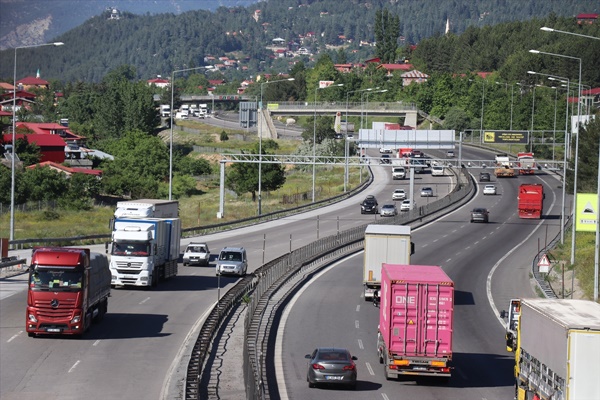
(576, 146)
(260, 118)
(14, 136)
(512, 87)
(171, 137)
(346, 144)
(314, 171)
(597, 245)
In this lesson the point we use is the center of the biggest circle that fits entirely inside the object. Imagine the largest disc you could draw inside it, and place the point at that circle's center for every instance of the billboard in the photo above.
(324, 84)
(505, 137)
(586, 213)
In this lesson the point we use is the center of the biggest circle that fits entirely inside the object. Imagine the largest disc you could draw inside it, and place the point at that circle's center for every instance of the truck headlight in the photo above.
(32, 318)
(76, 319)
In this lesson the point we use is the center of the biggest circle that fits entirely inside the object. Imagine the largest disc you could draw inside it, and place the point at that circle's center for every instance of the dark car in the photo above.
(484, 177)
(480, 214)
(369, 205)
(385, 159)
(330, 365)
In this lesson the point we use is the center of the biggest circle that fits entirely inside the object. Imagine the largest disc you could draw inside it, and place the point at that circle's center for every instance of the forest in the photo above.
(160, 43)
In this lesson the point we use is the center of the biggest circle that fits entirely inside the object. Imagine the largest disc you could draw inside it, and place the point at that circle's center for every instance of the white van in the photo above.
(398, 172)
(438, 170)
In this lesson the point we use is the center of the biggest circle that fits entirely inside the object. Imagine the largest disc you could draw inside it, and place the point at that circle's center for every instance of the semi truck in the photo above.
(526, 163)
(145, 250)
(504, 167)
(147, 208)
(384, 244)
(415, 321)
(68, 290)
(531, 200)
(556, 349)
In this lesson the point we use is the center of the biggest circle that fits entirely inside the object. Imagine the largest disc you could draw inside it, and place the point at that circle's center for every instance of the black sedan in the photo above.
(330, 365)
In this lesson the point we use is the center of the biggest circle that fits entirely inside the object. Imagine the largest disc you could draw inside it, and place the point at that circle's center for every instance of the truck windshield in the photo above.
(130, 249)
(55, 279)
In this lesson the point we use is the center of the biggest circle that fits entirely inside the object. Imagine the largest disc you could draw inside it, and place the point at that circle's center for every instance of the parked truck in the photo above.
(556, 349)
(415, 321)
(526, 163)
(165, 110)
(531, 200)
(145, 250)
(504, 167)
(384, 244)
(68, 290)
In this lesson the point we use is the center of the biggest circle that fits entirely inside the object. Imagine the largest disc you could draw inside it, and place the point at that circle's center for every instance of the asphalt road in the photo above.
(489, 263)
(140, 349)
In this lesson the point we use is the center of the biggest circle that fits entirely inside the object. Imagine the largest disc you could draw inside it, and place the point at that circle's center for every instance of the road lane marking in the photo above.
(74, 365)
(14, 336)
(356, 324)
(96, 343)
(370, 369)
(358, 308)
(360, 344)
(145, 300)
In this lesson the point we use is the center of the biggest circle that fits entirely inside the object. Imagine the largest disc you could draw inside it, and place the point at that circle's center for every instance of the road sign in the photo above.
(544, 264)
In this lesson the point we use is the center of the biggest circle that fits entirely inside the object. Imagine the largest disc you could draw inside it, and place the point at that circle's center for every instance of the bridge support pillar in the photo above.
(411, 119)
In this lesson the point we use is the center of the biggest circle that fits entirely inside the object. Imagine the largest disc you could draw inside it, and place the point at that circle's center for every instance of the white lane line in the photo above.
(145, 300)
(96, 343)
(370, 369)
(488, 284)
(357, 324)
(448, 260)
(360, 344)
(74, 365)
(14, 336)
(385, 396)
(358, 308)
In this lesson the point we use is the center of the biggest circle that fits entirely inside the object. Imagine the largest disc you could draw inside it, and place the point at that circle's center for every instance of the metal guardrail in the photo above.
(272, 275)
(12, 265)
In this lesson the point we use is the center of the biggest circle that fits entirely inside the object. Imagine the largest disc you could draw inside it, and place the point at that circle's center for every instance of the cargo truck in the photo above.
(526, 163)
(531, 200)
(504, 167)
(145, 242)
(68, 290)
(556, 349)
(415, 321)
(384, 244)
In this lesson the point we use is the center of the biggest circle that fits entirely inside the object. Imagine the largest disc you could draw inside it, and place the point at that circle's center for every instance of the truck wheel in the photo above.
(31, 334)
(185, 264)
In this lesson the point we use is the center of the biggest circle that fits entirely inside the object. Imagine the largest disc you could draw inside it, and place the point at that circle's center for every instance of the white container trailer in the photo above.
(147, 208)
(384, 244)
(558, 349)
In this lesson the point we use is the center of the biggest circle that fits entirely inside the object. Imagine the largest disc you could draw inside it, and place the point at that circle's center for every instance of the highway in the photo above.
(489, 263)
(140, 349)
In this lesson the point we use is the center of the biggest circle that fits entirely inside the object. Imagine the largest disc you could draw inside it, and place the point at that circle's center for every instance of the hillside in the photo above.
(156, 44)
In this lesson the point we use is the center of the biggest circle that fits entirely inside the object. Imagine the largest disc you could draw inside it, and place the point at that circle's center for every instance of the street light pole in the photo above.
(171, 137)
(576, 147)
(597, 244)
(14, 137)
(314, 171)
(260, 118)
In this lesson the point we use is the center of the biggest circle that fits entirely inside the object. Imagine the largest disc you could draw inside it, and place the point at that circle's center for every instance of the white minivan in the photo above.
(437, 170)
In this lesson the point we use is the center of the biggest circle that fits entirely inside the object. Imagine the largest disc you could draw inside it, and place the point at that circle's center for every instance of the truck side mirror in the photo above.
(106, 247)
(503, 314)
(412, 248)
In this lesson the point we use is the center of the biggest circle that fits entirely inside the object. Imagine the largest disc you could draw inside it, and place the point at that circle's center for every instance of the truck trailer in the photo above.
(384, 244)
(531, 200)
(415, 321)
(68, 290)
(557, 348)
(504, 167)
(147, 208)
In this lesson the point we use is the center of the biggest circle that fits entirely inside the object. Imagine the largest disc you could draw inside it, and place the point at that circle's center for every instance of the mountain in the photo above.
(241, 39)
(30, 22)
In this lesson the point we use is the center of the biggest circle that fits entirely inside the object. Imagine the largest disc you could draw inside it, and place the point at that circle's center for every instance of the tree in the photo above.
(387, 31)
(29, 153)
(43, 184)
(457, 119)
(243, 177)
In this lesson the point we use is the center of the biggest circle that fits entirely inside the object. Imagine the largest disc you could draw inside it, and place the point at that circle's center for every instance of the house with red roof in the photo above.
(586, 18)
(51, 128)
(159, 82)
(391, 68)
(52, 147)
(413, 76)
(22, 99)
(67, 170)
(31, 82)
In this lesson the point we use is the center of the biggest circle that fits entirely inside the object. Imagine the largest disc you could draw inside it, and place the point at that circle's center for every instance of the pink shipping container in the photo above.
(415, 321)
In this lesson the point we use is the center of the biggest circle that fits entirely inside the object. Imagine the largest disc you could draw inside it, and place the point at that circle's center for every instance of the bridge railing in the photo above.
(340, 105)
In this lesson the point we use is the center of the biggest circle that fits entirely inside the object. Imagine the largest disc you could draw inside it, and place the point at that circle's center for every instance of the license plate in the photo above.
(130, 276)
(420, 368)
(53, 330)
(334, 378)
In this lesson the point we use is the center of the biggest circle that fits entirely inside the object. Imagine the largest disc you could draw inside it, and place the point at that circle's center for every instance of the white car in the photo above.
(399, 194)
(385, 150)
(489, 189)
(406, 205)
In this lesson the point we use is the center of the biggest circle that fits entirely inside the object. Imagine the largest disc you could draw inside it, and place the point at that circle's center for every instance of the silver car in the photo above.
(232, 261)
(330, 365)
(388, 210)
(426, 192)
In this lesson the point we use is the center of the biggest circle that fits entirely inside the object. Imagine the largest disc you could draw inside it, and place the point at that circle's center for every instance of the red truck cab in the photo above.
(68, 289)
